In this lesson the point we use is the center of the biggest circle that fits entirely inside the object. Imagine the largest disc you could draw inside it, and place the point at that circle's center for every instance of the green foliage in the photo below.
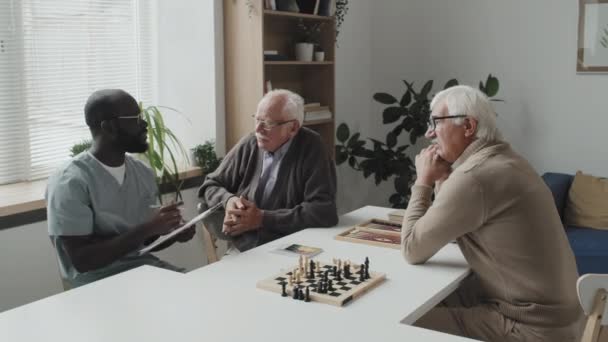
(80, 147)
(604, 38)
(309, 32)
(164, 149)
(341, 10)
(387, 159)
(205, 157)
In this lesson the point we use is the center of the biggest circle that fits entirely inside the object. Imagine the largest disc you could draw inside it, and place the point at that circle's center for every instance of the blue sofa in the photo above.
(590, 246)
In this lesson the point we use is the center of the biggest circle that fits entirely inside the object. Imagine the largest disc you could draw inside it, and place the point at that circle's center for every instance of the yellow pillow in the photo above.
(587, 204)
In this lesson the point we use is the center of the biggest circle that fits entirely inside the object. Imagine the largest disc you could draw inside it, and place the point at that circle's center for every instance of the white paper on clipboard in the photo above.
(164, 238)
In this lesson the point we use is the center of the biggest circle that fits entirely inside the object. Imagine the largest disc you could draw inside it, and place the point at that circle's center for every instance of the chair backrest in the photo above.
(593, 294)
(209, 241)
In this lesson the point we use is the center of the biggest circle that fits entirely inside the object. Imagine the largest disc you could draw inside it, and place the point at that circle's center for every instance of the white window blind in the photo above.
(53, 55)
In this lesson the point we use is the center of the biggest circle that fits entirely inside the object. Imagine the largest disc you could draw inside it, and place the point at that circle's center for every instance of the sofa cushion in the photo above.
(589, 247)
(587, 203)
(559, 184)
(587, 241)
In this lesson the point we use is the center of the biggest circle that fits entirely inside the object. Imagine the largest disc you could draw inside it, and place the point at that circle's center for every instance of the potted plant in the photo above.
(308, 34)
(204, 157)
(80, 147)
(387, 159)
(165, 150)
(319, 53)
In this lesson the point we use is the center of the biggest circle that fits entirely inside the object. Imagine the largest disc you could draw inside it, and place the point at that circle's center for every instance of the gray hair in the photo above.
(466, 100)
(294, 103)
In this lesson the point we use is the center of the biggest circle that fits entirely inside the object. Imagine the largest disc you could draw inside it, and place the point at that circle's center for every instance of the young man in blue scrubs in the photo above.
(100, 205)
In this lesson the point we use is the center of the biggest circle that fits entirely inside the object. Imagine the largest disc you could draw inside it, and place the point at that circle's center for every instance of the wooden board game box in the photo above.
(375, 232)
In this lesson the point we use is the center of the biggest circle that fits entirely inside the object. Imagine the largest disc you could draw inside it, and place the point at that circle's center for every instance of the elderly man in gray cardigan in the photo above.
(274, 182)
(502, 215)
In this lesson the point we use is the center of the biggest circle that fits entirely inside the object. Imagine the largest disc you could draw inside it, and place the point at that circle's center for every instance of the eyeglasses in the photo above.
(269, 125)
(432, 123)
(138, 117)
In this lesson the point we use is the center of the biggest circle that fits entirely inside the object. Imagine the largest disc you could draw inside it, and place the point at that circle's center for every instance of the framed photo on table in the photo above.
(592, 52)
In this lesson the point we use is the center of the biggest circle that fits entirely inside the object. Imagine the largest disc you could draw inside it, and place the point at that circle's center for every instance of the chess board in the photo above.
(345, 290)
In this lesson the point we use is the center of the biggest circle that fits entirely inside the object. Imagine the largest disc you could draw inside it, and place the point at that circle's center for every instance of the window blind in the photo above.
(56, 53)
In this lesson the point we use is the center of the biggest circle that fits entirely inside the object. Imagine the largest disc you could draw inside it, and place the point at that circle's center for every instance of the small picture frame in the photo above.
(592, 50)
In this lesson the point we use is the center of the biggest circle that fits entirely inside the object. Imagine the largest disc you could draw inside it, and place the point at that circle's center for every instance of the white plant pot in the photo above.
(320, 56)
(304, 52)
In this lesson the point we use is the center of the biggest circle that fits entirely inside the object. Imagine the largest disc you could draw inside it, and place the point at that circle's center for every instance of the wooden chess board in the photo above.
(345, 290)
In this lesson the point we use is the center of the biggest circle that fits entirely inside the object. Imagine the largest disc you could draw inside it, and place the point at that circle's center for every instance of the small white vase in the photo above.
(320, 56)
(304, 52)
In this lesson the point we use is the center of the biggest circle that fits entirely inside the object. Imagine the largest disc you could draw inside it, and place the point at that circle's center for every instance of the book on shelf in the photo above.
(275, 58)
(321, 114)
(270, 52)
(311, 105)
(316, 11)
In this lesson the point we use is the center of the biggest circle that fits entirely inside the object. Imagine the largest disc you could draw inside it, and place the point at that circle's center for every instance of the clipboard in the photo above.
(193, 221)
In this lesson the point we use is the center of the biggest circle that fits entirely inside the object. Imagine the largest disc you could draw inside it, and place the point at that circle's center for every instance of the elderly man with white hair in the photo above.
(275, 181)
(502, 215)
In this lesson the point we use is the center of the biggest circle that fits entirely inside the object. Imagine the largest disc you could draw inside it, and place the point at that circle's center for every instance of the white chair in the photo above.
(593, 293)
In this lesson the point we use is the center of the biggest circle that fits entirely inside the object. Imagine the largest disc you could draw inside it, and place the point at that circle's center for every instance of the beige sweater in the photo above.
(505, 222)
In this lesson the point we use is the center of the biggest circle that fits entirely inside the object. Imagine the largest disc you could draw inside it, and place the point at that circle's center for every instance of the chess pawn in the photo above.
(290, 280)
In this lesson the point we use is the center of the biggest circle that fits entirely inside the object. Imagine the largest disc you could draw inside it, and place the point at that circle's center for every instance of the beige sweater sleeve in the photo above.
(458, 208)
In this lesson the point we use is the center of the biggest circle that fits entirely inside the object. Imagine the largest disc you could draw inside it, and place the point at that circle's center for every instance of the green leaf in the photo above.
(343, 132)
(341, 155)
(401, 184)
(352, 161)
(426, 89)
(394, 199)
(353, 139)
(391, 140)
(392, 114)
(451, 83)
(492, 86)
(405, 99)
(385, 98)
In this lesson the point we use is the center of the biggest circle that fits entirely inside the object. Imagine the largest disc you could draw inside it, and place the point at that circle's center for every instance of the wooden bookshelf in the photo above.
(247, 33)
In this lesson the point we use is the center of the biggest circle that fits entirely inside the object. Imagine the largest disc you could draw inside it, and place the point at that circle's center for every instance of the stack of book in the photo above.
(315, 112)
(273, 55)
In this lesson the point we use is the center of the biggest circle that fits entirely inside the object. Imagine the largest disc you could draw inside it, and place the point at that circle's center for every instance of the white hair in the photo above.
(466, 100)
(294, 103)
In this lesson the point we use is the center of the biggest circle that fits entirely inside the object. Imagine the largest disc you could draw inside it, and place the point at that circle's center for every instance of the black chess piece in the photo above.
(312, 270)
(339, 275)
(362, 273)
(335, 269)
(326, 275)
(295, 292)
(366, 262)
(307, 298)
(301, 294)
(347, 271)
(283, 285)
(367, 272)
(330, 286)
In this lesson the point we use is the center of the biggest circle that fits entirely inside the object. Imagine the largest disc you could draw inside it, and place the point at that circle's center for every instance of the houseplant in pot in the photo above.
(308, 35)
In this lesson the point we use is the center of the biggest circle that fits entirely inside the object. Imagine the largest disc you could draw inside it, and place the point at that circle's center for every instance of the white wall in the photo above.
(354, 90)
(553, 116)
(29, 267)
(187, 62)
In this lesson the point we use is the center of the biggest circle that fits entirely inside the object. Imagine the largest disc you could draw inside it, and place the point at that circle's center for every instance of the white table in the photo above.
(221, 302)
